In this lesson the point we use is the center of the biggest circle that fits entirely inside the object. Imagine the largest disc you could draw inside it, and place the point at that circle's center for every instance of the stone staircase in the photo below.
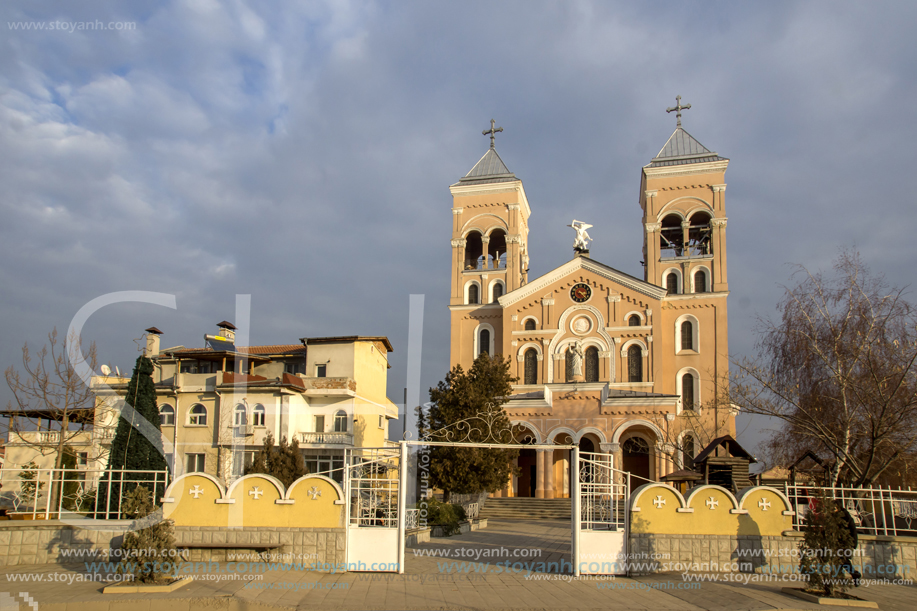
(526, 508)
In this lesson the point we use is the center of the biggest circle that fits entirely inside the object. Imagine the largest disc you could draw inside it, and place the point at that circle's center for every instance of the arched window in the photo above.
(687, 335)
(671, 237)
(197, 415)
(473, 294)
(687, 391)
(635, 364)
(484, 341)
(700, 281)
(166, 415)
(592, 364)
(340, 422)
(530, 324)
(498, 292)
(474, 249)
(633, 321)
(530, 366)
(568, 363)
(239, 417)
(671, 283)
(687, 451)
(258, 415)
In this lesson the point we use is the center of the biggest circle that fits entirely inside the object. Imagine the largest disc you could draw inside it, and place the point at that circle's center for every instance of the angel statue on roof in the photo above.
(580, 243)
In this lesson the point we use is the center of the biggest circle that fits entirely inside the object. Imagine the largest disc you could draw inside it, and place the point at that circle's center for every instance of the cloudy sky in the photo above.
(302, 153)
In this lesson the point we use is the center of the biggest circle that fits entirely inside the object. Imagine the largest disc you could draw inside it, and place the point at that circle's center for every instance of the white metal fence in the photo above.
(48, 494)
(876, 511)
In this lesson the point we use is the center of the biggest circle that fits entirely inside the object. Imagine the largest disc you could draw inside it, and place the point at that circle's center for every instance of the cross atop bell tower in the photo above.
(493, 131)
(677, 109)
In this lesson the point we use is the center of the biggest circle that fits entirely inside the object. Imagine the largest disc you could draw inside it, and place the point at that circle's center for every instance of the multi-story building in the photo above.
(218, 403)
(619, 365)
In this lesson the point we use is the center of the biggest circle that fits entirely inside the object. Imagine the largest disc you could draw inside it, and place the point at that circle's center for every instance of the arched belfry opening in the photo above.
(671, 237)
(474, 250)
(699, 235)
(496, 249)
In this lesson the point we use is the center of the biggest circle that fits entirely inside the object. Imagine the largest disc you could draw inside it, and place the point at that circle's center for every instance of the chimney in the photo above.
(227, 330)
(152, 342)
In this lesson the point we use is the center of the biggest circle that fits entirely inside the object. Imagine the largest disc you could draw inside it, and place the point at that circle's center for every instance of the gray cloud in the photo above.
(304, 155)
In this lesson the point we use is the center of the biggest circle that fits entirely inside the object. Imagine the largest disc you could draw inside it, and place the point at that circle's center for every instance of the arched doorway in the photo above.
(636, 458)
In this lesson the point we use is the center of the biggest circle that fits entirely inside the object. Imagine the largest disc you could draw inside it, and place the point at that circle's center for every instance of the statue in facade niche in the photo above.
(576, 351)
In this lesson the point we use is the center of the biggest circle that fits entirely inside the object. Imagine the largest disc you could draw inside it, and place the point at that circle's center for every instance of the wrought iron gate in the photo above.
(600, 520)
(375, 497)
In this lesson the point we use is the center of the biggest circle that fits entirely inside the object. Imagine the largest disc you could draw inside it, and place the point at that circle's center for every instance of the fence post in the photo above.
(575, 505)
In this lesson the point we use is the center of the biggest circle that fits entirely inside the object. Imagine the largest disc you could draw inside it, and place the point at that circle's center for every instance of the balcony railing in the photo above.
(103, 434)
(49, 437)
(327, 438)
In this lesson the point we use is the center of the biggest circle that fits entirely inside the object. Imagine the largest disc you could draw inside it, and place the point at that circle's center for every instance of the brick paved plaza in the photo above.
(428, 584)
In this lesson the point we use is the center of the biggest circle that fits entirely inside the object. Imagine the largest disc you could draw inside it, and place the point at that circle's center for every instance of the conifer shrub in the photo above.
(284, 461)
(148, 553)
(826, 547)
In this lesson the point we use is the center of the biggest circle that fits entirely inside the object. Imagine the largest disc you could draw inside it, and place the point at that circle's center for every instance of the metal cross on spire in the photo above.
(678, 108)
(492, 131)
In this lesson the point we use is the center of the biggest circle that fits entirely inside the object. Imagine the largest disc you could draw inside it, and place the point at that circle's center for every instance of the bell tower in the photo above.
(683, 197)
(489, 252)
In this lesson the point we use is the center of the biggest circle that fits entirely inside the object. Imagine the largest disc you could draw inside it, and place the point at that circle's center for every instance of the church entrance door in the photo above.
(636, 457)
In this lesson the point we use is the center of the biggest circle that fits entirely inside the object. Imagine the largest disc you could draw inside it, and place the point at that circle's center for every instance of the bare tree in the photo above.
(50, 389)
(838, 371)
(693, 429)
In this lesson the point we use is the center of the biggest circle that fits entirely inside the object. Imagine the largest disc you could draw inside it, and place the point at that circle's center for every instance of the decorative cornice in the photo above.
(686, 170)
(576, 264)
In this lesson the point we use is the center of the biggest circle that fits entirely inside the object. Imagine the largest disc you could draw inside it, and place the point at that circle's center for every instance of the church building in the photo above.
(618, 365)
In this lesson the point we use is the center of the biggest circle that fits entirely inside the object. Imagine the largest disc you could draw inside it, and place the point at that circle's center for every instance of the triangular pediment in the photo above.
(544, 282)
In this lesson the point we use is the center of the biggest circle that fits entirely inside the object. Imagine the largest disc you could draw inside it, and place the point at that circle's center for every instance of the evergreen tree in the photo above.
(131, 450)
(468, 407)
(285, 462)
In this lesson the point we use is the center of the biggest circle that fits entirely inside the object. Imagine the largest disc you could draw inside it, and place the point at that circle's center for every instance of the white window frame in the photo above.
(258, 415)
(200, 417)
(702, 268)
(677, 272)
(341, 415)
(239, 416)
(695, 334)
(163, 412)
(468, 286)
(697, 391)
(490, 290)
(321, 370)
(200, 462)
(525, 320)
(477, 338)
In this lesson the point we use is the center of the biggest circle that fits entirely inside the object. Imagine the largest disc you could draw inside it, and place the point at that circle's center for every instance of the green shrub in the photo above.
(148, 552)
(442, 514)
